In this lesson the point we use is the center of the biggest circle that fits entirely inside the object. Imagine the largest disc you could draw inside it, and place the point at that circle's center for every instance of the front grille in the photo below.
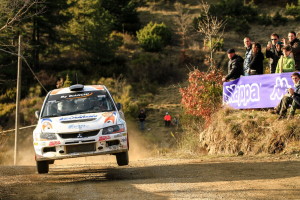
(80, 148)
(49, 149)
(79, 135)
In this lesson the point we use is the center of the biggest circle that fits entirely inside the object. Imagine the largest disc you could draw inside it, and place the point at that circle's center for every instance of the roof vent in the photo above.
(76, 87)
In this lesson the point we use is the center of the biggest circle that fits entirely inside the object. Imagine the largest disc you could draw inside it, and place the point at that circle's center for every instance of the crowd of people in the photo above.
(283, 55)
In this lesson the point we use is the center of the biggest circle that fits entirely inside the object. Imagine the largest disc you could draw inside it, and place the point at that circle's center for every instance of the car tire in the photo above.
(122, 158)
(42, 167)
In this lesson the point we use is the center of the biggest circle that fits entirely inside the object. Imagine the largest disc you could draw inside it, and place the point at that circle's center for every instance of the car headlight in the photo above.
(48, 136)
(113, 129)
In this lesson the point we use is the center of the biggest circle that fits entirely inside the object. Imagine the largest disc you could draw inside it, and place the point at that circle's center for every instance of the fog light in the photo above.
(100, 148)
(61, 151)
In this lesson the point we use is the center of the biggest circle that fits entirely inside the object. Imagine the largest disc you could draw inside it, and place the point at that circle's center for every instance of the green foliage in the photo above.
(279, 20)
(146, 70)
(293, 10)
(8, 96)
(276, 20)
(6, 111)
(153, 37)
(35, 91)
(121, 92)
(125, 14)
(264, 19)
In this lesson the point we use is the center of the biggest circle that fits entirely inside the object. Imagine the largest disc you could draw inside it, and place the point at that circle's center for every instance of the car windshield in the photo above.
(77, 103)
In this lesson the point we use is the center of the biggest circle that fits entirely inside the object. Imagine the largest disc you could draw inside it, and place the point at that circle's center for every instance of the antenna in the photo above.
(76, 77)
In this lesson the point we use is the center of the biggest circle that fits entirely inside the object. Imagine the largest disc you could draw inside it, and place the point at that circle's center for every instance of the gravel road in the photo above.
(157, 178)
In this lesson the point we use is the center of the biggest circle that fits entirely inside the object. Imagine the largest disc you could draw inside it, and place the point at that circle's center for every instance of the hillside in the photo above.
(166, 96)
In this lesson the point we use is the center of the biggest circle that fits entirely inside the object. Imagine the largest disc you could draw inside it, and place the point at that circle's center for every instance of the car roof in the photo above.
(85, 89)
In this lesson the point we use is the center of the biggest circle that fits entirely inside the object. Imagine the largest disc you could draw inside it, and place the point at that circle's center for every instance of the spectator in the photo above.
(273, 52)
(257, 58)
(235, 66)
(167, 119)
(294, 42)
(142, 117)
(248, 45)
(285, 63)
(291, 98)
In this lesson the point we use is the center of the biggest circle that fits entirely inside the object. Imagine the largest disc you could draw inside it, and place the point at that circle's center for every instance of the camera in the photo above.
(280, 43)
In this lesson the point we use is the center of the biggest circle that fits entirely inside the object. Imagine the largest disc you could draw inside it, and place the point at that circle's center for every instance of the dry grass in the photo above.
(252, 132)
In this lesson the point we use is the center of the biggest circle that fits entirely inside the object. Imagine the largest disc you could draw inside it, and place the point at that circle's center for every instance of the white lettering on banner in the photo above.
(243, 94)
(279, 88)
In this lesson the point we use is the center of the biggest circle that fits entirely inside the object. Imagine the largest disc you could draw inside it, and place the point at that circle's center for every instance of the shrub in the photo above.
(203, 95)
(293, 10)
(279, 20)
(9, 96)
(121, 92)
(147, 70)
(153, 37)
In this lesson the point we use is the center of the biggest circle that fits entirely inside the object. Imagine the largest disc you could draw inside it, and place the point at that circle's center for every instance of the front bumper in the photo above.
(72, 148)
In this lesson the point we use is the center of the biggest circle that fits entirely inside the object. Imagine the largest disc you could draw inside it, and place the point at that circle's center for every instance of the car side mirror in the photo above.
(37, 114)
(119, 106)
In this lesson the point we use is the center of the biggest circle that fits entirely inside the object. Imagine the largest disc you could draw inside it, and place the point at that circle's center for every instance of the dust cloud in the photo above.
(138, 149)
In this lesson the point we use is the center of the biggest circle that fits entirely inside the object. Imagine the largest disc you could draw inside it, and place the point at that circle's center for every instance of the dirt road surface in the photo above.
(157, 178)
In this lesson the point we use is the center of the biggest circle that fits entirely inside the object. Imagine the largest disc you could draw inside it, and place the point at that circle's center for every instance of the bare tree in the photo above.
(183, 21)
(211, 27)
(14, 11)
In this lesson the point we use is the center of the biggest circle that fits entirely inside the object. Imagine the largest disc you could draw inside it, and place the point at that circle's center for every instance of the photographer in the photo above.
(273, 51)
(291, 98)
(294, 42)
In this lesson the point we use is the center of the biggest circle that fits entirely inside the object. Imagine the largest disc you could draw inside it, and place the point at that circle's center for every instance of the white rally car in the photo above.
(79, 121)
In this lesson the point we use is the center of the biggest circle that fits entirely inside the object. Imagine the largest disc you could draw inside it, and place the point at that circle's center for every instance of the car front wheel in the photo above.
(42, 167)
(122, 158)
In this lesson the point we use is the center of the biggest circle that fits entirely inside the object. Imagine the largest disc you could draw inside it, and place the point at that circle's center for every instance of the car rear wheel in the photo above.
(42, 167)
(122, 158)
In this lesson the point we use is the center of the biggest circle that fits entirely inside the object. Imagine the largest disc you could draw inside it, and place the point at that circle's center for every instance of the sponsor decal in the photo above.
(42, 144)
(54, 143)
(35, 143)
(107, 114)
(111, 118)
(104, 137)
(243, 94)
(76, 96)
(46, 124)
(279, 88)
(78, 117)
(124, 140)
(77, 126)
(257, 91)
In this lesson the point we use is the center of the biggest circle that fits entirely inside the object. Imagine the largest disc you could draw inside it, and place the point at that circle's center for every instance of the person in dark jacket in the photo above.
(291, 98)
(142, 118)
(294, 42)
(273, 51)
(235, 66)
(257, 59)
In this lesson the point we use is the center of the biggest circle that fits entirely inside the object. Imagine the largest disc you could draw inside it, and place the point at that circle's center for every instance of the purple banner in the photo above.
(256, 91)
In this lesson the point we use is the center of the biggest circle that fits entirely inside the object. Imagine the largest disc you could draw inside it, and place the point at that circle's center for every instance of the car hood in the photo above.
(79, 122)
